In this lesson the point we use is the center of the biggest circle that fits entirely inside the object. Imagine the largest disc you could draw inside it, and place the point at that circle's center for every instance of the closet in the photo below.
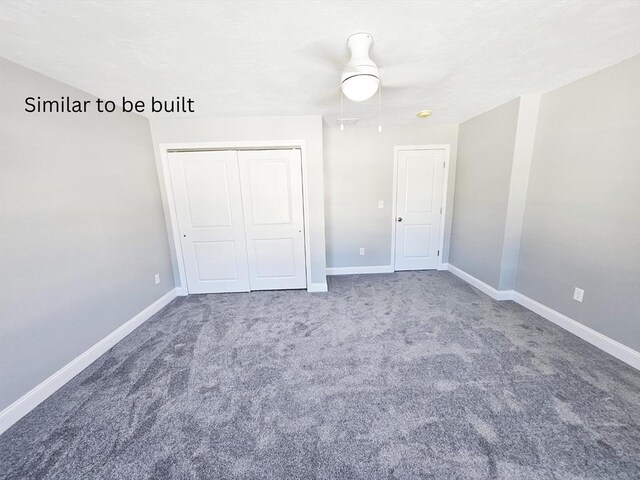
(240, 219)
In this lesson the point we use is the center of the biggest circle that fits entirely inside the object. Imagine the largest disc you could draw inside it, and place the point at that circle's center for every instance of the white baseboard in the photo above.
(618, 350)
(182, 291)
(612, 347)
(480, 285)
(359, 270)
(38, 394)
(317, 287)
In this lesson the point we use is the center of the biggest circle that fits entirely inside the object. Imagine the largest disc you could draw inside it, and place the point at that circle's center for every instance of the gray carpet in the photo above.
(396, 376)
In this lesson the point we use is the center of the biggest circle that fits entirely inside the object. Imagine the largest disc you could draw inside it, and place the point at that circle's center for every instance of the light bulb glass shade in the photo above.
(360, 87)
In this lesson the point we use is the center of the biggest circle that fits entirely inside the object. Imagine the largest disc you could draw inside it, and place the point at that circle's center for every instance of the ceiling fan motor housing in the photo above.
(360, 69)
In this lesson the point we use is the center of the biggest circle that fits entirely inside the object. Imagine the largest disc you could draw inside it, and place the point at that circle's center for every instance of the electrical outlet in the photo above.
(380, 204)
(362, 251)
(578, 293)
(157, 278)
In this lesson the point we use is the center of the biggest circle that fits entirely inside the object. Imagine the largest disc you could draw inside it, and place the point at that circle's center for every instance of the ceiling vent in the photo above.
(347, 121)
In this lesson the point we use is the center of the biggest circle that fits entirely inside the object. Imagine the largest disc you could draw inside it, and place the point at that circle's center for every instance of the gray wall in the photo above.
(582, 217)
(483, 178)
(358, 173)
(307, 128)
(81, 225)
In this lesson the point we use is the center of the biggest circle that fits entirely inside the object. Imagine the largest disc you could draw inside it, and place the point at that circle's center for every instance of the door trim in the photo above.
(447, 155)
(165, 178)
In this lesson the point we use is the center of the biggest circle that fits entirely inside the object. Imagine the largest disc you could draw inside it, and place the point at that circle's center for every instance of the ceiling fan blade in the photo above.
(322, 54)
(331, 99)
(410, 74)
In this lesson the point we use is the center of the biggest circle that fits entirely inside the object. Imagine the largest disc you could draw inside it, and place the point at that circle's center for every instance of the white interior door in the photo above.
(208, 201)
(420, 177)
(273, 216)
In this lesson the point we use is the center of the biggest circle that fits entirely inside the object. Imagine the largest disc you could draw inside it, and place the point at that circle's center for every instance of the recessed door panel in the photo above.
(274, 223)
(216, 261)
(419, 176)
(420, 172)
(270, 200)
(207, 193)
(278, 257)
(417, 241)
(208, 202)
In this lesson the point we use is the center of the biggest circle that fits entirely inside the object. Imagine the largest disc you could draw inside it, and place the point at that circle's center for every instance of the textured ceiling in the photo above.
(256, 58)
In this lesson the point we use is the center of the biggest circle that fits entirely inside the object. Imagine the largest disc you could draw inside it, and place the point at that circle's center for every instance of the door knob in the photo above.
(399, 219)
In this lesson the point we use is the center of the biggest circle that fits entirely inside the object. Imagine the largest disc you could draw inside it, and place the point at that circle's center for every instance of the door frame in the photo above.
(166, 148)
(443, 216)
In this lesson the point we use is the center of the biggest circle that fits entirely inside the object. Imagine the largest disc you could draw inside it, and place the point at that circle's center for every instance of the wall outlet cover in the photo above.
(362, 251)
(157, 278)
(380, 203)
(578, 294)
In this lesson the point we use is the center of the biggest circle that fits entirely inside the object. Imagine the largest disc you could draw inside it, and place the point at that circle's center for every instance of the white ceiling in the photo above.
(262, 58)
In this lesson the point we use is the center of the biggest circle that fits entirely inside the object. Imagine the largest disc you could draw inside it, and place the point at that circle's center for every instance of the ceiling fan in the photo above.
(361, 76)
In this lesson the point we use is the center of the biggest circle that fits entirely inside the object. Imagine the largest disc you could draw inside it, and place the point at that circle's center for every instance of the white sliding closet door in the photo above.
(208, 200)
(273, 217)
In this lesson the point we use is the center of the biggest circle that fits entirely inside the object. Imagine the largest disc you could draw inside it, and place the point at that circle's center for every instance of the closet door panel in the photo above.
(273, 216)
(208, 200)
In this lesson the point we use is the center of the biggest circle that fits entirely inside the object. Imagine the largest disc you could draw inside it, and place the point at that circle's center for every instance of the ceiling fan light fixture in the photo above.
(359, 88)
(360, 77)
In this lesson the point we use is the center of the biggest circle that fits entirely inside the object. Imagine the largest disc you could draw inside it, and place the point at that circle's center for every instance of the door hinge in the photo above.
(444, 164)
(440, 210)
(438, 252)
